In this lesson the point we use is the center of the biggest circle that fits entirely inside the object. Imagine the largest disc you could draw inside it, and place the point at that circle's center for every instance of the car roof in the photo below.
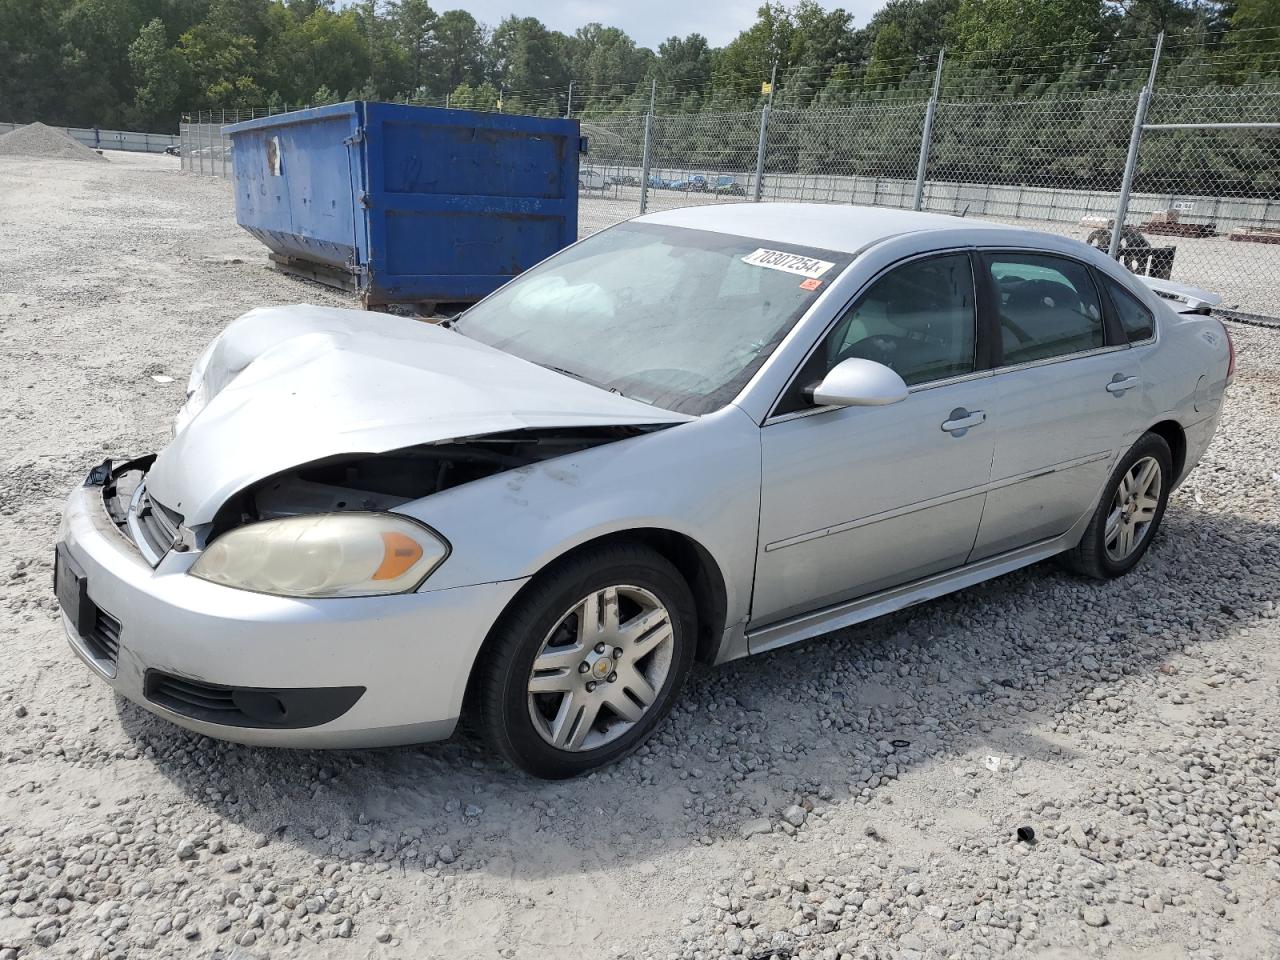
(831, 226)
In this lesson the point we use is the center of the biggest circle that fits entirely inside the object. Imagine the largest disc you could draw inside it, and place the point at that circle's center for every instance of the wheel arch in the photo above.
(1172, 433)
(695, 563)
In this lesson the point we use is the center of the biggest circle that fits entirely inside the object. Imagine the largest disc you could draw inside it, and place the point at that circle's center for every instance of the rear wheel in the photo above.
(588, 660)
(1128, 514)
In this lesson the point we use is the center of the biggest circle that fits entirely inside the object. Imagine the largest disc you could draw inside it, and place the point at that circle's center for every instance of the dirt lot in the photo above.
(854, 797)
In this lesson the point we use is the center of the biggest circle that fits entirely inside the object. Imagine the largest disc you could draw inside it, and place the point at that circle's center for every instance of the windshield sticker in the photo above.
(788, 262)
(810, 284)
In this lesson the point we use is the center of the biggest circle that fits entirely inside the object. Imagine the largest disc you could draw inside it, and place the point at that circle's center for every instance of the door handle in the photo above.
(1120, 383)
(961, 420)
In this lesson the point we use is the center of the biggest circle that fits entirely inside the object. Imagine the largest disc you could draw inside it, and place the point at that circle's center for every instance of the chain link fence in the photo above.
(1199, 203)
(1207, 194)
(205, 149)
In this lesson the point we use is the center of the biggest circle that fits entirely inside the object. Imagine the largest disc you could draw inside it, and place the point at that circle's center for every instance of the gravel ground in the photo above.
(858, 796)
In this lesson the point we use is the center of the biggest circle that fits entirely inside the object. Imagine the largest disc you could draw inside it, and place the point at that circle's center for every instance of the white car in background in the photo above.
(697, 435)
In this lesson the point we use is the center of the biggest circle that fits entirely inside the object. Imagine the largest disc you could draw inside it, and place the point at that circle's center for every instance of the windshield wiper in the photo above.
(577, 376)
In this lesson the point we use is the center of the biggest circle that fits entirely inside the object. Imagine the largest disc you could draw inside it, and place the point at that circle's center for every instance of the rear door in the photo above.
(1069, 396)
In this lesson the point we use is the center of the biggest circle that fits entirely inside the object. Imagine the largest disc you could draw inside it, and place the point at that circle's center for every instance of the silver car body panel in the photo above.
(345, 381)
(853, 500)
(425, 642)
(812, 520)
(700, 480)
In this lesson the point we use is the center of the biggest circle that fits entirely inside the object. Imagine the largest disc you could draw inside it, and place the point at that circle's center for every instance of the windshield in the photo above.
(675, 317)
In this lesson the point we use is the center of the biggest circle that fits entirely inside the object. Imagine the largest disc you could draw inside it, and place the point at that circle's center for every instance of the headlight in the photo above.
(327, 555)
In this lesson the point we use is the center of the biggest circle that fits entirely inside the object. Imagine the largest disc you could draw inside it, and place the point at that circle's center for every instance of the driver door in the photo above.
(859, 499)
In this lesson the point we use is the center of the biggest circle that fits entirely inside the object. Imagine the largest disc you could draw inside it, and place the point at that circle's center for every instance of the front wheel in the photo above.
(588, 660)
(1128, 514)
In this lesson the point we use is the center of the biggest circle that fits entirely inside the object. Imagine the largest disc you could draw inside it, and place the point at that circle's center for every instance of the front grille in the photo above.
(103, 638)
(154, 527)
(161, 522)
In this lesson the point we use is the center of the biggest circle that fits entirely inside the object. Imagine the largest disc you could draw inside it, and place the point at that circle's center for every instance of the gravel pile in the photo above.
(857, 797)
(37, 140)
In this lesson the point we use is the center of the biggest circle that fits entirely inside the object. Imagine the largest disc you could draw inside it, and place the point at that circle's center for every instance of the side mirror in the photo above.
(859, 383)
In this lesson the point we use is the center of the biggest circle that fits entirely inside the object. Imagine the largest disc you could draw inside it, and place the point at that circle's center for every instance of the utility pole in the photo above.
(568, 110)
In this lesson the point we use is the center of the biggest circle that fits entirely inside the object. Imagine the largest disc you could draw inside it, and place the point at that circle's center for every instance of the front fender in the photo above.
(700, 479)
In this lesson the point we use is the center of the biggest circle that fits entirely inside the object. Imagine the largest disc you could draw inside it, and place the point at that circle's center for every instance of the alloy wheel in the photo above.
(600, 668)
(1133, 509)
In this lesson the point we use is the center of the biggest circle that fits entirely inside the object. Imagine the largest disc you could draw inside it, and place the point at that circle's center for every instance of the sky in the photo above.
(649, 22)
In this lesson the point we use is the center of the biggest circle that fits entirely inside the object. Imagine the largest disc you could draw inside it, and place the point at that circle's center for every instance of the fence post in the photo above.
(926, 136)
(760, 148)
(764, 135)
(1131, 160)
(647, 155)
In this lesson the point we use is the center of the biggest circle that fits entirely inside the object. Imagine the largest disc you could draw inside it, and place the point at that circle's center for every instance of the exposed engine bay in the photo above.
(373, 482)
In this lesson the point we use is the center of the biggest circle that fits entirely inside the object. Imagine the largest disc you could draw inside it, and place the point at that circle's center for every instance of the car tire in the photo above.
(1138, 488)
(561, 622)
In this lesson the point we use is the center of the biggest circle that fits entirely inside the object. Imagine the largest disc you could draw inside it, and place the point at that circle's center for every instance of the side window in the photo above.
(918, 320)
(1136, 319)
(1048, 306)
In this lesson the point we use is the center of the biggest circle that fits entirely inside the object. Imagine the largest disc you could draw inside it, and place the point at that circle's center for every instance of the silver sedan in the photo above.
(698, 435)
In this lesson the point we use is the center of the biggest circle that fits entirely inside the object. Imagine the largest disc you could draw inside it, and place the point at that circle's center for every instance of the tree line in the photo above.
(139, 63)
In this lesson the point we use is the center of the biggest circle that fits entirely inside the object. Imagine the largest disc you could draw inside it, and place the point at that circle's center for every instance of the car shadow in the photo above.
(828, 721)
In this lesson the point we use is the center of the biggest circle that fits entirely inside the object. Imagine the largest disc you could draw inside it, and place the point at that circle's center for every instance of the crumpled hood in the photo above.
(284, 386)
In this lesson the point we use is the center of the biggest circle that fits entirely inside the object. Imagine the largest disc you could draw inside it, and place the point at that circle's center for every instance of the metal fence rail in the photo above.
(98, 139)
(1178, 182)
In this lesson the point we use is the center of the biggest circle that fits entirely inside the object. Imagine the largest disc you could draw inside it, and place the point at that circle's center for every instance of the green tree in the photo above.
(483, 96)
(1254, 43)
(158, 74)
(388, 66)
(528, 57)
(95, 56)
(683, 70)
(222, 67)
(890, 57)
(459, 51)
(1017, 27)
(603, 57)
(924, 24)
(748, 59)
(32, 83)
(414, 24)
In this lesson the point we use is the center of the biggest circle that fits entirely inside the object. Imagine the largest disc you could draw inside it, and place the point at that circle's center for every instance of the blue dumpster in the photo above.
(405, 204)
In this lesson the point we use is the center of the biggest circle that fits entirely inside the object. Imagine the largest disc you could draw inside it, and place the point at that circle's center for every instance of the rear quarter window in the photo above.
(1138, 322)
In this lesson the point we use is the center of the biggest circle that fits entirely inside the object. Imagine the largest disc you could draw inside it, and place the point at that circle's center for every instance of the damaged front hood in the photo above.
(284, 386)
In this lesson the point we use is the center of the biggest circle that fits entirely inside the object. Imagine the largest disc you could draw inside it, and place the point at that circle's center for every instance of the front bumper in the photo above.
(412, 653)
